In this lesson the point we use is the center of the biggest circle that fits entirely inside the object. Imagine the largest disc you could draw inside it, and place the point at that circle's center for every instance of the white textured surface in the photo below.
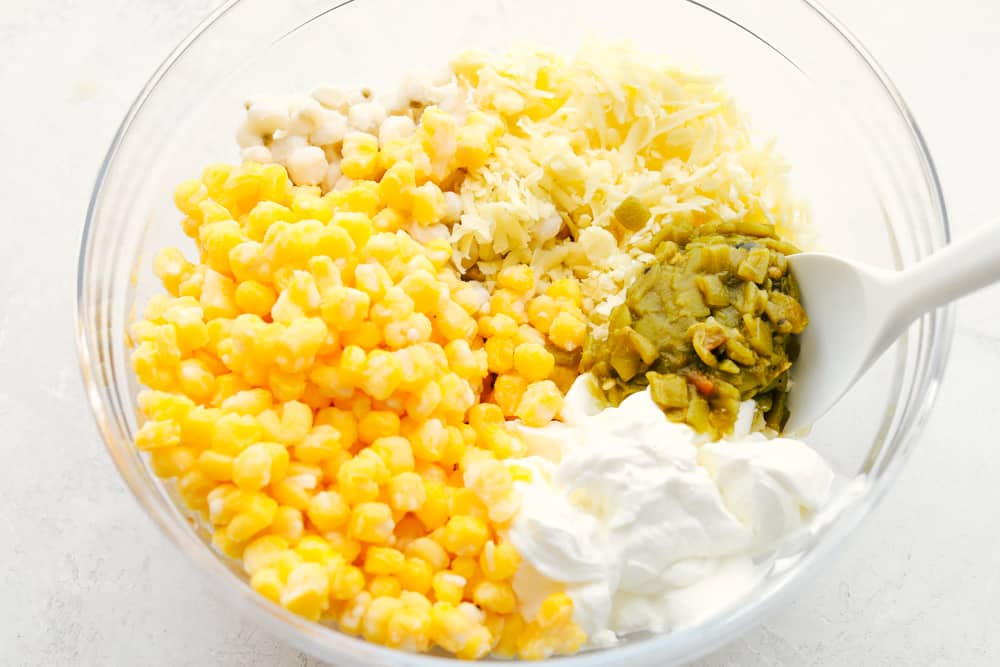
(86, 579)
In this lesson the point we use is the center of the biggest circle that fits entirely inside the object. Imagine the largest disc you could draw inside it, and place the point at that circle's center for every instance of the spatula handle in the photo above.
(960, 268)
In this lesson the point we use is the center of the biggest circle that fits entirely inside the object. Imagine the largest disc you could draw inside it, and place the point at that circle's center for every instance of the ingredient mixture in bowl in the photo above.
(493, 364)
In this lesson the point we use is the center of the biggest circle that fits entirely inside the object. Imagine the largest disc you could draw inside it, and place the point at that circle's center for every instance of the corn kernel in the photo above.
(395, 187)
(556, 609)
(371, 522)
(485, 413)
(188, 194)
(465, 535)
(315, 549)
(428, 551)
(343, 421)
(263, 552)
(296, 421)
(251, 469)
(407, 492)
(378, 424)
(499, 354)
(448, 586)
(494, 596)
(306, 591)
(156, 434)
(466, 362)
(335, 242)
(415, 328)
(454, 631)
(433, 513)
(388, 220)
(344, 308)
(357, 225)
(287, 524)
(533, 362)
(308, 205)
(285, 562)
(214, 176)
(257, 513)
(465, 502)
(457, 397)
(453, 323)
(466, 567)
(506, 643)
(384, 560)
(298, 345)
(262, 216)
(171, 268)
(542, 310)
(508, 391)
(286, 386)
(356, 480)
(346, 583)
(267, 583)
(193, 487)
(213, 211)
(509, 303)
(431, 472)
(215, 466)
(468, 433)
(332, 464)
(540, 403)
(409, 629)
(567, 331)
(426, 291)
(216, 240)
(293, 492)
(353, 613)
(362, 197)
(196, 381)
(429, 440)
(360, 156)
(519, 279)
(499, 325)
(327, 510)
(322, 442)
(416, 575)
(567, 289)
(473, 147)
(248, 402)
(225, 545)
(423, 402)
(170, 462)
(428, 204)
(382, 374)
(385, 586)
(375, 626)
(499, 562)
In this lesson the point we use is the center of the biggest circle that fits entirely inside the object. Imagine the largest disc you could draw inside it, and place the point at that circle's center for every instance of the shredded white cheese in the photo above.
(584, 134)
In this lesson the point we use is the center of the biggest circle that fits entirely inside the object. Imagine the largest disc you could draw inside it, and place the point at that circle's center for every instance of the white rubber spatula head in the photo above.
(856, 312)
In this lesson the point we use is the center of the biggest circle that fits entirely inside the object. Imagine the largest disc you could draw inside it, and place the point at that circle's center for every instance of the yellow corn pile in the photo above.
(332, 396)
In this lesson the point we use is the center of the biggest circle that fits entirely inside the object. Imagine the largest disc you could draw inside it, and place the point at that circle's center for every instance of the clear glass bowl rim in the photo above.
(670, 649)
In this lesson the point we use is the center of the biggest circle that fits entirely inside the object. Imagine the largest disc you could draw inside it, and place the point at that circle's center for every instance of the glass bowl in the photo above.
(856, 155)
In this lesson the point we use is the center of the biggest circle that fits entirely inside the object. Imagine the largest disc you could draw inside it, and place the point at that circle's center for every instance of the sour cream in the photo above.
(646, 526)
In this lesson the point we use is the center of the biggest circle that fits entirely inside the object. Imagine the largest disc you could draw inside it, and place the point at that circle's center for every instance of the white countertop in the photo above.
(86, 578)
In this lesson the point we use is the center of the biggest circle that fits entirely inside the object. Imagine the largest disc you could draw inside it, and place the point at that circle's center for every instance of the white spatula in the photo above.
(857, 311)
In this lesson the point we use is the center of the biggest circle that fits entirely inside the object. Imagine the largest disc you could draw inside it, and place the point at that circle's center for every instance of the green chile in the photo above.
(709, 324)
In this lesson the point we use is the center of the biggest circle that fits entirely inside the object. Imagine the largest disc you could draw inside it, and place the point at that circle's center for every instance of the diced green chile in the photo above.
(708, 324)
(632, 214)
